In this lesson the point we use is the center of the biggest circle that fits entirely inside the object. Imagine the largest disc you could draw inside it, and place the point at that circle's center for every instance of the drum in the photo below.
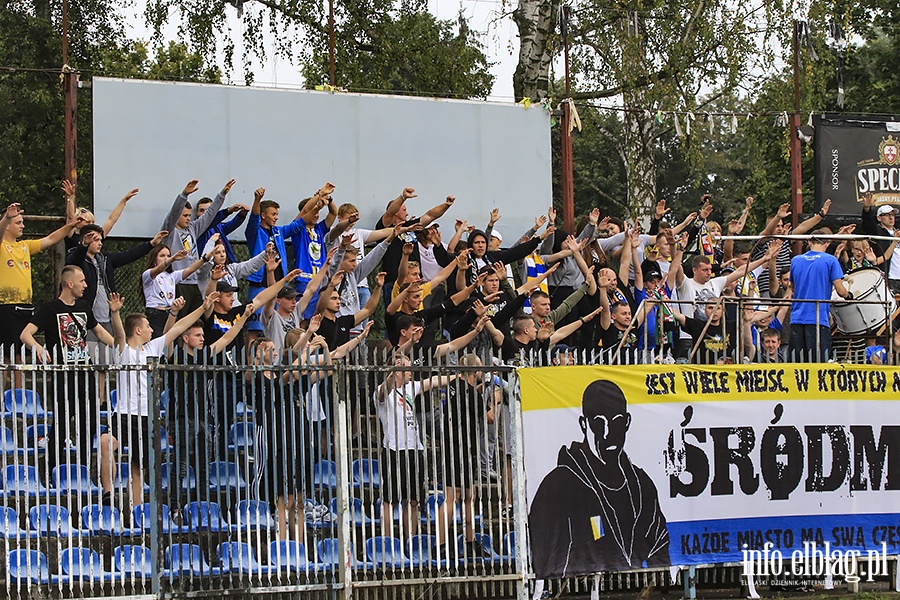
(855, 317)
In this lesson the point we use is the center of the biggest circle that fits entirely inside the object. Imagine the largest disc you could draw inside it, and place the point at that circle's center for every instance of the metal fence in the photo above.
(373, 477)
(259, 477)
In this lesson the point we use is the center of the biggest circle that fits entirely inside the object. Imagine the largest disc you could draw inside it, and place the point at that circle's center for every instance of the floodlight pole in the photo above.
(331, 77)
(70, 88)
(796, 166)
(568, 187)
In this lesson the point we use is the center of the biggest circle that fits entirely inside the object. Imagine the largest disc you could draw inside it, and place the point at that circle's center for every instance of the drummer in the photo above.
(814, 275)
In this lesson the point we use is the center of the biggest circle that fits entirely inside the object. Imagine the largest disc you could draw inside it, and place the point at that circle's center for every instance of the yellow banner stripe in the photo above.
(562, 387)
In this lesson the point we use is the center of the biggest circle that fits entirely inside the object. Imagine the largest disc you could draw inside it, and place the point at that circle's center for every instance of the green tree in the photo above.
(404, 52)
(380, 45)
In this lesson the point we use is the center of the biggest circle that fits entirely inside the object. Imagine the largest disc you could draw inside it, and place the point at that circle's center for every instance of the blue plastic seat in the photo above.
(240, 436)
(164, 402)
(7, 442)
(435, 502)
(83, 564)
(250, 515)
(288, 555)
(140, 517)
(187, 484)
(132, 562)
(357, 512)
(206, 516)
(99, 519)
(24, 404)
(111, 405)
(330, 556)
(52, 520)
(73, 479)
(9, 524)
(23, 479)
(239, 557)
(420, 551)
(509, 547)
(30, 566)
(387, 553)
(185, 560)
(34, 436)
(325, 474)
(225, 477)
(487, 545)
(366, 472)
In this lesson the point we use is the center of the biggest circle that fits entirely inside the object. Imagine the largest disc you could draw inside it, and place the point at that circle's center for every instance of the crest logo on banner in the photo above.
(888, 150)
(660, 465)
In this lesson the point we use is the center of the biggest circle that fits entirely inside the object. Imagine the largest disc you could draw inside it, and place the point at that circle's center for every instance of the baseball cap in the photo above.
(652, 274)
(885, 209)
(496, 234)
(224, 286)
(287, 292)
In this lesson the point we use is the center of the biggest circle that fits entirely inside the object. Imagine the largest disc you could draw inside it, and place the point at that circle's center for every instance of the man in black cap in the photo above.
(596, 511)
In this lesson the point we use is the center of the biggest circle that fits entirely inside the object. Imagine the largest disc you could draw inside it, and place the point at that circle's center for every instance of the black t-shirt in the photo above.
(513, 349)
(337, 332)
(719, 341)
(609, 339)
(391, 261)
(65, 329)
(187, 389)
(463, 414)
(218, 325)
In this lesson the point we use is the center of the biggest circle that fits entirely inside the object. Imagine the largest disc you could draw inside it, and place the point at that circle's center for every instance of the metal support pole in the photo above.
(518, 480)
(154, 402)
(568, 184)
(689, 578)
(796, 167)
(340, 391)
(331, 76)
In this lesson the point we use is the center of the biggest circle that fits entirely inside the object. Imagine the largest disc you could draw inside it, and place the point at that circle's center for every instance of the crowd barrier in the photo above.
(216, 504)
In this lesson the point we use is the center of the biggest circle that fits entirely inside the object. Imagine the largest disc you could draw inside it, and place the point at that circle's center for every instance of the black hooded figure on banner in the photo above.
(596, 511)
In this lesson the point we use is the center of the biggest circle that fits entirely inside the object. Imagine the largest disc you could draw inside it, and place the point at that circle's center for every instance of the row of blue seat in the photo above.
(56, 521)
(285, 557)
(25, 403)
(221, 476)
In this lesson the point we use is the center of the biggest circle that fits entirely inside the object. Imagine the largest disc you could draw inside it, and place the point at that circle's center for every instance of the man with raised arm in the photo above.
(184, 234)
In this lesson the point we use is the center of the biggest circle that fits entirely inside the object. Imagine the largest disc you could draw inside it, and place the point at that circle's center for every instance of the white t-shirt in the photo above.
(428, 263)
(160, 290)
(398, 418)
(315, 412)
(131, 386)
(276, 327)
(690, 290)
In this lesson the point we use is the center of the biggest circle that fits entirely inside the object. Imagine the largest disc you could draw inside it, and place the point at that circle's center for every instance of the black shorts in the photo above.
(402, 475)
(14, 318)
(284, 456)
(133, 432)
(460, 464)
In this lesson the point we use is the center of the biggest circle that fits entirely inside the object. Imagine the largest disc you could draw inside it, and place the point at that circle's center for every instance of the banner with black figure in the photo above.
(855, 157)
(659, 465)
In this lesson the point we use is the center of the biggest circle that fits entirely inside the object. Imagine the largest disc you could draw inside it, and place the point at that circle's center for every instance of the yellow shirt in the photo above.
(425, 287)
(15, 270)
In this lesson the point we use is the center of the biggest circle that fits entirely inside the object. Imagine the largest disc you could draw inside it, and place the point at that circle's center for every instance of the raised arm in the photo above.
(345, 349)
(394, 205)
(372, 303)
(267, 295)
(117, 211)
(60, 234)
(181, 199)
(567, 330)
(813, 221)
(461, 227)
(437, 212)
(462, 341)
(116, 301)
(183, 324)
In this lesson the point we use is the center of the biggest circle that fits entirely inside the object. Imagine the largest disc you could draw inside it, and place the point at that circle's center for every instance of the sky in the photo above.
(497, 33)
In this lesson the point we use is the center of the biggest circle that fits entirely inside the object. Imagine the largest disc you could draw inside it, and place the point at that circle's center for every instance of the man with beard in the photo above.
(596, 511)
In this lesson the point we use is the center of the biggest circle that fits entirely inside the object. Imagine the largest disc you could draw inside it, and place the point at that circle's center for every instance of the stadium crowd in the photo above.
(606, 293)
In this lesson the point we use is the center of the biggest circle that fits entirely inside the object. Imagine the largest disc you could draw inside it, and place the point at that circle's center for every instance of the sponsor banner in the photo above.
(854, 157)
(659, 465)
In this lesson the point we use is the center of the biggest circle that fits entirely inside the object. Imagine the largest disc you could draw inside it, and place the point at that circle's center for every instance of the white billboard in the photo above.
(157, 136)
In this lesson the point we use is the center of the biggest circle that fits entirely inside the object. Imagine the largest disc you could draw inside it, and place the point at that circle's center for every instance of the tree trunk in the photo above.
(640, 159)
(536, 20)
